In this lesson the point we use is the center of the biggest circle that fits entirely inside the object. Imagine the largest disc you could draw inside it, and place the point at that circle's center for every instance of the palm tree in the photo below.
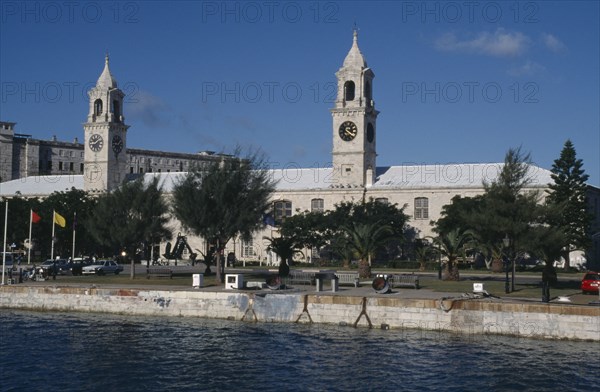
(285, 248)
(423, 253)
(452, 245)
(364, 239)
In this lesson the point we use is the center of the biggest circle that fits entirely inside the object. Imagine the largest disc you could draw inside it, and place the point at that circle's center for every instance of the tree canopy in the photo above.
(224, 200)
(130, 218)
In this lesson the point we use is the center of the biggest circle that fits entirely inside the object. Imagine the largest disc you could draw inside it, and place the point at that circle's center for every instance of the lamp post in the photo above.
(440, 263)
(506, 242)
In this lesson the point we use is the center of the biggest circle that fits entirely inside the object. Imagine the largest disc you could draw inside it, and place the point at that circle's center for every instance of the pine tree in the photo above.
(225, 200)
(567, 196)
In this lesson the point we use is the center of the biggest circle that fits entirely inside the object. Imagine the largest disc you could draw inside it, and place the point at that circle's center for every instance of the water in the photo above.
(89, 352)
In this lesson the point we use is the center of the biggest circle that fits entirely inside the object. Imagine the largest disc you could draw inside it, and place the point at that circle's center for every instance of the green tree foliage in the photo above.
(69, 204)
(452, 245)
(18, 221)
(130, 217)
(567, 199)
(365, 229)
(225, 200)
(364, 238)
(308, 229)
(285, 248)
(505, 209)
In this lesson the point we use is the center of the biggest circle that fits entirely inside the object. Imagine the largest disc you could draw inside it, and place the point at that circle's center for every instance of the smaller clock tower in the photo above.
(105, 159)
(354, 123)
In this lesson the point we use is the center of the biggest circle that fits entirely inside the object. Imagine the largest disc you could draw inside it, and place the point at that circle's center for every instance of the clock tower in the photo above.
(354, 122)
(105, 157)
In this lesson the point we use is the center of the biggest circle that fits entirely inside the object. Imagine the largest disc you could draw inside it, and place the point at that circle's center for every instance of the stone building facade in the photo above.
(104, 160)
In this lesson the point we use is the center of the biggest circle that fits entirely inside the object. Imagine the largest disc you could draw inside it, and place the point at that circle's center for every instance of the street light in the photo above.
(506, 242)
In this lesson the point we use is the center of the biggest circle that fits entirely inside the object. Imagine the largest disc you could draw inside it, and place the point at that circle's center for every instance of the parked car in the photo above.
(60, 266)
(529, 264)
(8, 260)
(590, 282)
(102, 267)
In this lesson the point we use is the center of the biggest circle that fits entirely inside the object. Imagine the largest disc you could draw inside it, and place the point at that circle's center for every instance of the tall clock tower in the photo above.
(354, 122)
(105, 159)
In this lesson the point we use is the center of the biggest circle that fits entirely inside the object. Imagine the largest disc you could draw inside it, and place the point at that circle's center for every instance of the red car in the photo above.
(590, 282)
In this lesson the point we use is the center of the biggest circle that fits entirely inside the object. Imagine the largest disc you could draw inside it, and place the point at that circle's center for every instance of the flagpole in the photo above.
(30, 224)
(52, 246)
(4, 253)
(74, 223)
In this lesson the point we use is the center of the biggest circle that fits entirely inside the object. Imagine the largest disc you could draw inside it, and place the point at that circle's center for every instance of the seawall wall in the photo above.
(481, 316)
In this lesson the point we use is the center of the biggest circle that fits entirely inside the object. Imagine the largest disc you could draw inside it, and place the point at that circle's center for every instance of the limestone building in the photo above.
(103, 161)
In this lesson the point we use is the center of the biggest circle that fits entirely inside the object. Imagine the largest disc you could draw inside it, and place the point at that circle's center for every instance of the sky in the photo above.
(455, 82)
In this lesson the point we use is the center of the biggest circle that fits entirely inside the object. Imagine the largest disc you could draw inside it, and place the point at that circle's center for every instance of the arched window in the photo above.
(370, 133)
(421, 208)
(317, 205)
(98, 107)
(349, 91)
(117, 110)
(281, 210)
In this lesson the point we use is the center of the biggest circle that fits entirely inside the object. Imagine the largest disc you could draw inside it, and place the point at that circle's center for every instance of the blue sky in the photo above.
(455, 81)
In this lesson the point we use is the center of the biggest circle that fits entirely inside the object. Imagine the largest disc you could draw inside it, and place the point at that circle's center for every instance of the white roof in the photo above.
(460, 175)
(449, 176)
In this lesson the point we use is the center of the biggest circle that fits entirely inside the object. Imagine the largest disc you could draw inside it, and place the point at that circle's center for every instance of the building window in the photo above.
(131, 169)
(71, 166)
(98, 107)
(421, 208)
(317, 205)
(117, 110)
(60, 153)
(248, 249)
(60, 166)
(71, 153)
(49, 165)
(349, 91)
(382, 200)
(281, 210)
(81, 167)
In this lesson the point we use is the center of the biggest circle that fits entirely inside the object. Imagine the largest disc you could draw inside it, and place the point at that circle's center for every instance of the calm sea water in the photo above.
(88, 352)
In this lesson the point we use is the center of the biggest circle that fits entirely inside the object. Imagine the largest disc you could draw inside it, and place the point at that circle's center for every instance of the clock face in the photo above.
(348, 131)
(117, 144)
(96, 142)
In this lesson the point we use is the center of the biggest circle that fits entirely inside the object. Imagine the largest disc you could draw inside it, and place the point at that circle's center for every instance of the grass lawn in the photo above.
(140, 280)
(497, 288)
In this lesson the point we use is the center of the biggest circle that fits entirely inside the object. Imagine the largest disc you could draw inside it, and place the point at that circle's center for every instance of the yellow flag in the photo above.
(59, 220)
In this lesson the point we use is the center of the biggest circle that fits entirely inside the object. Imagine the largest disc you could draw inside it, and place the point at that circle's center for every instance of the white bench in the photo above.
(301, 277)
(404, 280)
(347, 278)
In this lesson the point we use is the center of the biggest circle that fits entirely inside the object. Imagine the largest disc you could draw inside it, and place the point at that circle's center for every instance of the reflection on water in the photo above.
(90, 352)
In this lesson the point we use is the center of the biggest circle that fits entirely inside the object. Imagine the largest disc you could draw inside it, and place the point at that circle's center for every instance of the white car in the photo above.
(102, 267)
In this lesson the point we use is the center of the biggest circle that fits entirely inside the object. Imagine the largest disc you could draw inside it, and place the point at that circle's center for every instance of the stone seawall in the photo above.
(482, 316)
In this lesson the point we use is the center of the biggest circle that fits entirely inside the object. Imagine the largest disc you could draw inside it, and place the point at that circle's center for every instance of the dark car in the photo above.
(58, 267)
(590, 282)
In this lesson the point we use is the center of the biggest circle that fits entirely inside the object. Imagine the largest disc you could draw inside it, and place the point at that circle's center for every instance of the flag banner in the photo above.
(35, 218)
(268, 220)
(59, 220)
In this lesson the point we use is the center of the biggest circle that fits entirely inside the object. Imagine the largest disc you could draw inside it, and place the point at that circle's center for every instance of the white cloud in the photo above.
(501, 43)
(553, 43)
(528, 69)
(150, 109)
